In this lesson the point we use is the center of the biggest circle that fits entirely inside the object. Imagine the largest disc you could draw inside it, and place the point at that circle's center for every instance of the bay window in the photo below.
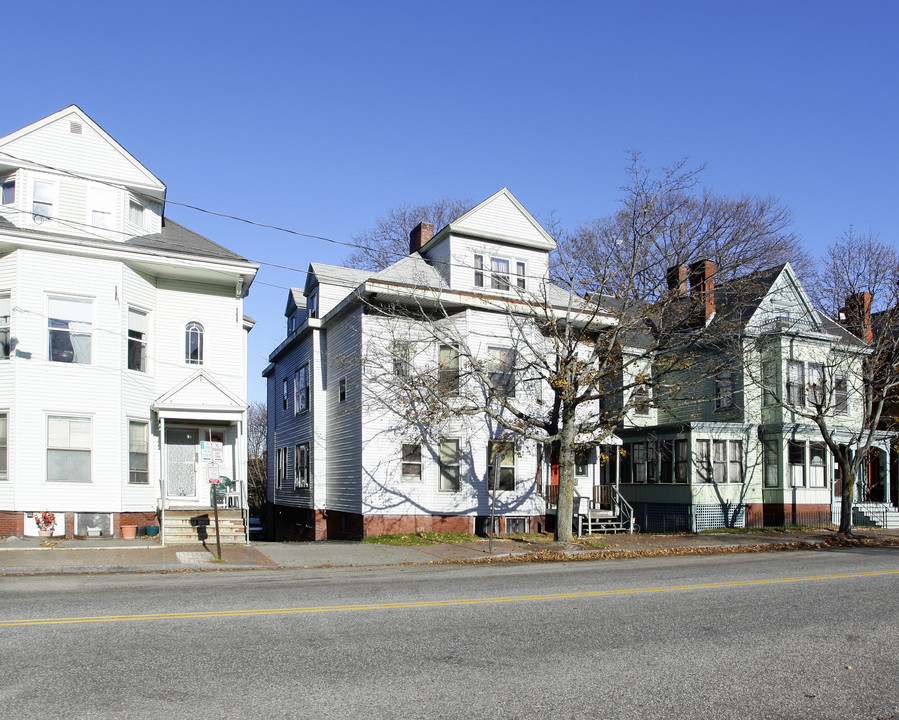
(70, 327)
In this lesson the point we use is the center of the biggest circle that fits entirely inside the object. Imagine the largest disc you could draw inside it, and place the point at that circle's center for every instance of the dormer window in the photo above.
(291, 324)
(42, 200)
(312, 304)
(101, 206)
(8, 192)
(500, 274)
(519, 275)
(136, 213)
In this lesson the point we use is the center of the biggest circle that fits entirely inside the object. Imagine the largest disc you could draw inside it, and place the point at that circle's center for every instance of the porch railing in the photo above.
(605, 497)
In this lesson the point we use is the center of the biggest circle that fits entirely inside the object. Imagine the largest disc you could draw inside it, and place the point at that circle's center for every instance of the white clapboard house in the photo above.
(123, 344)
(347, 456)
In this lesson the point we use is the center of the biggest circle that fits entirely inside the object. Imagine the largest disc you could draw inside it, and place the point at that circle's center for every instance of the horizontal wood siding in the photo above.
(286, 427)
(463, 250)
(344, 420)
(87, 154)
(501, 216)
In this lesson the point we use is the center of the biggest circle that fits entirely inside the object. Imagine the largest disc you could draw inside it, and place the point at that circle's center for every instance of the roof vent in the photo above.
(74, 127)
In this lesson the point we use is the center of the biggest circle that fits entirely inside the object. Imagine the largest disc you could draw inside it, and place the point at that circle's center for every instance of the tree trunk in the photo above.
(846, 499)
(565, 506)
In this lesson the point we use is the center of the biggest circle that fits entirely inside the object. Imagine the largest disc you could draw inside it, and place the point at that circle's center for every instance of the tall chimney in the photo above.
(420, 235)
(678, 279)
(702, 291)
(858, 315)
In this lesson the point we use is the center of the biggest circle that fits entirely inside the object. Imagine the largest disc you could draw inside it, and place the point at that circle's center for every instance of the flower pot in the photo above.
(129, 532)
(152, 530)
(45, 533)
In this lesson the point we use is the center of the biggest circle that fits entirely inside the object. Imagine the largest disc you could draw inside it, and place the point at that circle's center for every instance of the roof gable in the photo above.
(197, 392)
(71, 142)
(501, 218)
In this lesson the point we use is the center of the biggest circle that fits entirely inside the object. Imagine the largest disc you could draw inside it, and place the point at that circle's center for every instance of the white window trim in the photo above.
(300, 450)
(44, 221)
(47, 448)
(419, 463)
(103, 200)
(90, 332)
(141, 421)
(457, 465)
(145, 341)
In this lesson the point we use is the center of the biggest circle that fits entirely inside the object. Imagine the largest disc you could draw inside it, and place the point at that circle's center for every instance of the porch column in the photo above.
(163, 479)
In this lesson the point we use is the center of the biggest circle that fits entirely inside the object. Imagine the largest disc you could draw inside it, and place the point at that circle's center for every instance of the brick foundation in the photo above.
(13, 523)
(774, 515)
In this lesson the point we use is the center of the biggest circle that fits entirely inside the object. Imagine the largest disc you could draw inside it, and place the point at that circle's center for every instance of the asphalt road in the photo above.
(783, 635)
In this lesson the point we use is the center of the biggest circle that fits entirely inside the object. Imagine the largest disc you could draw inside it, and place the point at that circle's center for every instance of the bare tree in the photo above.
(257, 422)
(863, 273)
(388, 240)
(667, 219)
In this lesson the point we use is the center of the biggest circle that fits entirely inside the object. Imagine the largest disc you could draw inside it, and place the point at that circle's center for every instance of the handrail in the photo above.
(623, 508)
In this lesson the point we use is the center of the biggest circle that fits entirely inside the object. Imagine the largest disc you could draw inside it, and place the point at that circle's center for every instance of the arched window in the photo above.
(193, 344)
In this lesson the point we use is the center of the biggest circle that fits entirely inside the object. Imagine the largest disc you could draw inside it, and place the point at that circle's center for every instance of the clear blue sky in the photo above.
(320, 116)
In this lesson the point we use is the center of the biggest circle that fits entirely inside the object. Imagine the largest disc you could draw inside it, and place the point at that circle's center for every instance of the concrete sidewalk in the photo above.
(34, 556)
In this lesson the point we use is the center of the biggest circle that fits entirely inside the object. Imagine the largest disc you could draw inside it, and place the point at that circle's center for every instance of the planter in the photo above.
(45, 533)
(151, 530)
(129, 532)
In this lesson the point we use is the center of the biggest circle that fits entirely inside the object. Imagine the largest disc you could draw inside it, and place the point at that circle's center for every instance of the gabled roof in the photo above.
(176, 238)
(295, 299)
(412, 270)
(199, 395)
(500, 218)
(50, 144)
(334, 275)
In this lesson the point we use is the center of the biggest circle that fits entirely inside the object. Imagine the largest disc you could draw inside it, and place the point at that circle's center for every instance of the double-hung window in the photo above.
(70, 328)
(138, 453)
(681, 461)
(724, 391)
(727, 461)
(501, 369)
(8, 192)
(499, 279)
(503, 455)
(137, 340)
(641, 397)
(816, 384)
(582, 463)
(817, 457)
(280, 467)
(312, 304)
(302, 472)
(840, 394)
(449, 466)
(448, 369)
(411, 470)
(795, 383)
(479, 271)
(5, 308)
(43, 200)
(301, 384)
(401, 352)
(284, 400)
(69, 442)
(193, 344)
(136, 213)
(772, 463)
(520, 280)
(704, 461)
(796, 459)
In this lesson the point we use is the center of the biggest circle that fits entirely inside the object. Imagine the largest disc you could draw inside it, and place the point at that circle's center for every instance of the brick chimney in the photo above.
(420, 235)
(858, 315)
(702, 291)
(678, 280)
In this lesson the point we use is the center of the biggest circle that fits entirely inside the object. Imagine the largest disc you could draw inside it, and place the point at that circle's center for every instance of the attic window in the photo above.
(74, 127)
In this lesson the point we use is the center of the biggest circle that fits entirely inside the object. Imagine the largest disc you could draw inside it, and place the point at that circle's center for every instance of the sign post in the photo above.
(215, 480)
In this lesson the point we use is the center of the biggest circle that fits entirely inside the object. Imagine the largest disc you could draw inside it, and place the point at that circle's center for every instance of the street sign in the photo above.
(213, 473)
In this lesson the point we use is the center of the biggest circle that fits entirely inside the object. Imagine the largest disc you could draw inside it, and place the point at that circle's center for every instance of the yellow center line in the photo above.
(436, 603)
